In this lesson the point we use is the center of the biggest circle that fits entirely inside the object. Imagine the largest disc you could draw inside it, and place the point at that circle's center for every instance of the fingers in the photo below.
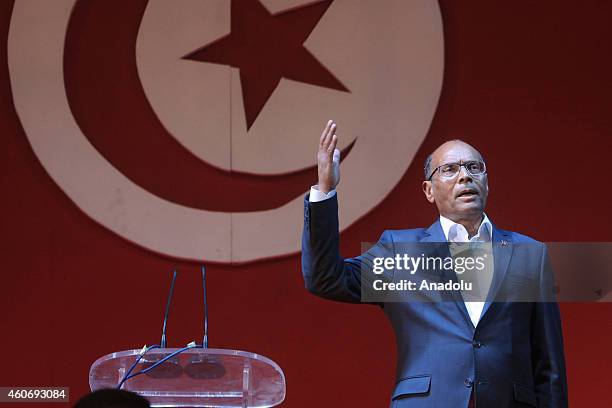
(325, 130)
(332, 144)
(328, 136)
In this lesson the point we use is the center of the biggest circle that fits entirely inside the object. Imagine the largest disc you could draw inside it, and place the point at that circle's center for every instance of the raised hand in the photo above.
(328, 159)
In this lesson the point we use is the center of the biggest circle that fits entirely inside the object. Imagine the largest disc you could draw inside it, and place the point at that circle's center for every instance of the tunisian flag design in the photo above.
(229, 95)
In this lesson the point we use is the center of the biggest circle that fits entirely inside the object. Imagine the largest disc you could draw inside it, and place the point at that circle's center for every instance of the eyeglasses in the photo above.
(450, 170)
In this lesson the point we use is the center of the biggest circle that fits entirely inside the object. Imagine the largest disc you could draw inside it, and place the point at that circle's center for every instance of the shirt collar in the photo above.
(458, 233)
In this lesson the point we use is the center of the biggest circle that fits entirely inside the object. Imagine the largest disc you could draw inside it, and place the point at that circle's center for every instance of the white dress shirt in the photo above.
(456, 233)
(317, 195)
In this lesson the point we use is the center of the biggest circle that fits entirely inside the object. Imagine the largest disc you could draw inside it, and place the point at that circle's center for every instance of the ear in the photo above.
(428, 191)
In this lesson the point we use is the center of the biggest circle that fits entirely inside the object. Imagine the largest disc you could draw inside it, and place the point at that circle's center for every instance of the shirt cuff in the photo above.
(316, 195)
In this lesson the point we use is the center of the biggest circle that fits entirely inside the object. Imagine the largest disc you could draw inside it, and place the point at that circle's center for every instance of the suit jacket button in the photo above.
(468, 382)
(477, 344)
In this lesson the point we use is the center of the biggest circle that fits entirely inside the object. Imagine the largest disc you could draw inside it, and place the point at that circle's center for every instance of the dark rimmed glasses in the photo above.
(450, 170)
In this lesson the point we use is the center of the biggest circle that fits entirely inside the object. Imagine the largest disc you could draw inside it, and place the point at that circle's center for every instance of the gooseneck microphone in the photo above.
(205, 339)
(205, 366)
(158, 365)
(163, 337)
(167, 366)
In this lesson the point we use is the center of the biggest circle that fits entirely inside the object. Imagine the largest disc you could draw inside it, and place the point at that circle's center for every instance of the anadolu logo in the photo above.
(190, 128)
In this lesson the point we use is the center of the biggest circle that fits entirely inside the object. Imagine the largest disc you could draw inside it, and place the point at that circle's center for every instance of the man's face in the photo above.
(464, 196)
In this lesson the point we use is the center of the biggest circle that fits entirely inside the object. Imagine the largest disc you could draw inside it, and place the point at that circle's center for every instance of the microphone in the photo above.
(171, 367)
(205, 339)
(163, 337)
(204, 366)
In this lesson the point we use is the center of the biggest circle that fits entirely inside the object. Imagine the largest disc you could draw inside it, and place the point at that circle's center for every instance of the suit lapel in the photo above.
(502, 252)
(435, 235)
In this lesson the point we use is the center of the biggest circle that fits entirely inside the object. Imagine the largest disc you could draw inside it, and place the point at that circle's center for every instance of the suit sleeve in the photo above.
(326, 273)
(547, 343)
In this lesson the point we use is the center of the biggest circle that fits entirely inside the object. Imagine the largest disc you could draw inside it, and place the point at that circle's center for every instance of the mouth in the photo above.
(467, 193)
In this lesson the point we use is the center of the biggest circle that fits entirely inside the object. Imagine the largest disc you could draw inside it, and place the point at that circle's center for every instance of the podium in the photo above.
(195, 377)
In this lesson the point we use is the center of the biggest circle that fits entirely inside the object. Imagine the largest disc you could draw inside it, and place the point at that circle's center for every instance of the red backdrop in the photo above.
(527, 83)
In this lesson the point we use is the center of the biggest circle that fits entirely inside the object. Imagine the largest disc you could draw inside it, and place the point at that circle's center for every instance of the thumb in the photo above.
(336, 156)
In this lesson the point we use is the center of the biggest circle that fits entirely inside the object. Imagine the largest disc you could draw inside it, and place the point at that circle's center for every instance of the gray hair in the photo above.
(427, 166)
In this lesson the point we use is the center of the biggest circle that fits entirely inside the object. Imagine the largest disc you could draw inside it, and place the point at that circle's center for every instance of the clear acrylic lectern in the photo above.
(197, 377)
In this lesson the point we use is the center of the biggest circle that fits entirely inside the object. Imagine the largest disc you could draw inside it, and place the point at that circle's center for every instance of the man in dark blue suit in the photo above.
(503, 349)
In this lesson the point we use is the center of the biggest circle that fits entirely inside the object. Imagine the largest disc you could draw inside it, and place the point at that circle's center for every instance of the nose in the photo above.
(464, 176)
